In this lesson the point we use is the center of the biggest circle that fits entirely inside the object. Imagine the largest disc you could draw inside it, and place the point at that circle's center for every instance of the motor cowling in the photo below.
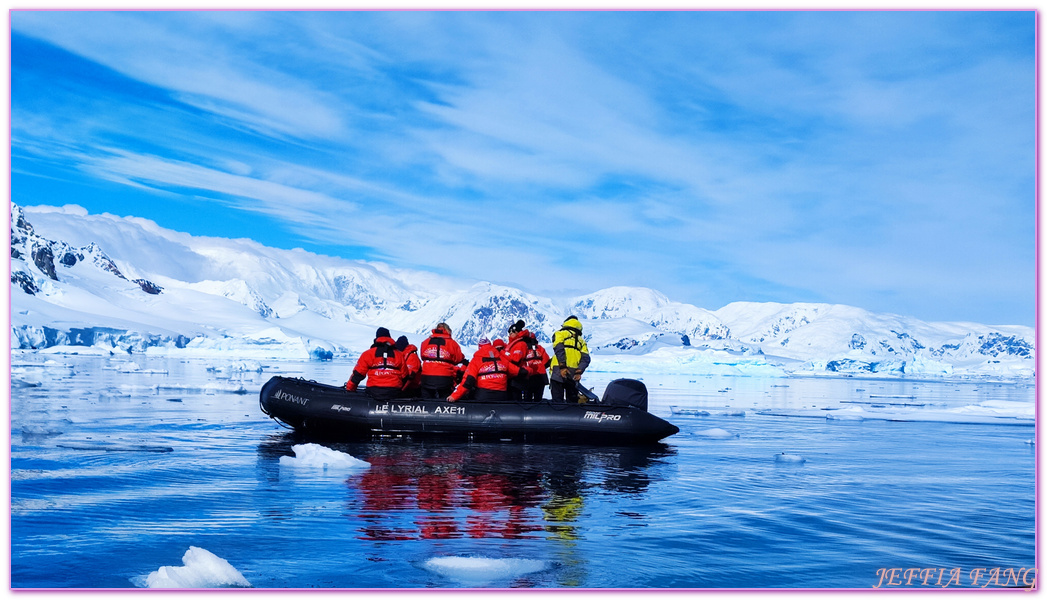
(626, 392)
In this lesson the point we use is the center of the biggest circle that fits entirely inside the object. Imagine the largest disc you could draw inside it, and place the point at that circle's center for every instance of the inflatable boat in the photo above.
(620, 417)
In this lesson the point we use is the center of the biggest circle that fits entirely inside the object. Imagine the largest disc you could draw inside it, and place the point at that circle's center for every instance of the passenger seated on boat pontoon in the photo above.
(442, 363)
(414, 367)
(383, 366)
(487, 376)
(525, 351)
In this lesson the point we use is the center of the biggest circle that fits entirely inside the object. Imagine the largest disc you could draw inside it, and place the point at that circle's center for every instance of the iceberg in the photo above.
(200, 569)
(314, 457)
(479, 571)
(716, 433)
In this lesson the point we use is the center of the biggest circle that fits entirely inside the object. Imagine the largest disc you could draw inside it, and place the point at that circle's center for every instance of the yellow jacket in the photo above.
(569, 349)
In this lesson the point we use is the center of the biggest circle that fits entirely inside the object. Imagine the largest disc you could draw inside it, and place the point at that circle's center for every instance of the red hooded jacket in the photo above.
(381, 364)
(440, 355)
(414, 367)
(525, 351)
(488, 369)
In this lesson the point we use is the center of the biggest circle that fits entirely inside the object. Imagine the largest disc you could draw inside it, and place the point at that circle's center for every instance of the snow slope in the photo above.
(125, 284)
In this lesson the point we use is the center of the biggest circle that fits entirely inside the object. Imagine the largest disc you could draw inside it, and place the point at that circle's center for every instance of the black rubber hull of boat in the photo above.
(328, 410)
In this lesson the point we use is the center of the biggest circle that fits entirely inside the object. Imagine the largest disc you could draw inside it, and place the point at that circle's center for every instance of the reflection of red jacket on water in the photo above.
(382, 365)
(525, 351)
(440, 355)
(489, 373)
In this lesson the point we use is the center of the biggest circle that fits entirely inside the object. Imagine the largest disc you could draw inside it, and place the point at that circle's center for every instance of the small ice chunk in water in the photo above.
(40, 430)
(202, 570)
(243, 366)
(478, 571)
(789, 458)
(716, 433)
(676, 410)
(315, 456)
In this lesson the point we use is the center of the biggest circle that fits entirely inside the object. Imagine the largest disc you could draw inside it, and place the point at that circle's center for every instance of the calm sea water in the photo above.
(118, 468)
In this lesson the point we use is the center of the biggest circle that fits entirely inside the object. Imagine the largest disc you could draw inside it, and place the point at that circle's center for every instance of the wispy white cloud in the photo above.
(244, 192)
(196, 61)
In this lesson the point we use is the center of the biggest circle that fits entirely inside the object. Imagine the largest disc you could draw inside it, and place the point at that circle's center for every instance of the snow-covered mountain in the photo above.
(653, 308)
(125, 284)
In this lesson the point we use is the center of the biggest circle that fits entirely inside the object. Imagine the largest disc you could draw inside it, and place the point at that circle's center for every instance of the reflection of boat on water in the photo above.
(621, 417)
(419, 490)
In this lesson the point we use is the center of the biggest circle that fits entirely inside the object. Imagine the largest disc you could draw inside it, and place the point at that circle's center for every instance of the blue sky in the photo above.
(878, 159)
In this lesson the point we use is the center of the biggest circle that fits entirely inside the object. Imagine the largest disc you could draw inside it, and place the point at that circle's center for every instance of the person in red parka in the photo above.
(487, 376)
(525, 351)
(442, 362)
(383, 366)
(414, 367)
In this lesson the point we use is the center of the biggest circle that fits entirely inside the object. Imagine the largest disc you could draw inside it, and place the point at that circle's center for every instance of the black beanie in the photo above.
(401, 343)
(382, 332)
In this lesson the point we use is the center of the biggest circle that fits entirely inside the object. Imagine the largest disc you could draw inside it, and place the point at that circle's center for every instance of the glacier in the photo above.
(86, 283)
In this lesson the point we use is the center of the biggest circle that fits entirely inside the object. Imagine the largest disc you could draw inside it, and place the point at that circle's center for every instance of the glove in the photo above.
(349, 385)
(564, 372)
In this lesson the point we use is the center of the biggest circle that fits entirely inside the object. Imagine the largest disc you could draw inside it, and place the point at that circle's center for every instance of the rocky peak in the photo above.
(19, 225)
(102, 260)
(29, 249)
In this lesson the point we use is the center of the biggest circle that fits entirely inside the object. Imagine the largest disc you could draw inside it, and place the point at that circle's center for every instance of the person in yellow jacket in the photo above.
(570, 359)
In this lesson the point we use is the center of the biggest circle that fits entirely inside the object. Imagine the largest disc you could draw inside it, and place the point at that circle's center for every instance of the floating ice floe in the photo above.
(243, 366)
(694, 412)
(314, 457)
(207, 388)
(479, 571)
(716, 433)
(844, 415)
(698, 412)
(789, 458)
(40, 430)
(19, 382)
(1003, 412)
(130, 366)
(201, 569)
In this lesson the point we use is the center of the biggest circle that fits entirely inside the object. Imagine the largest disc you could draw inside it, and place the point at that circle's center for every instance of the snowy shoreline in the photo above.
(662, 361)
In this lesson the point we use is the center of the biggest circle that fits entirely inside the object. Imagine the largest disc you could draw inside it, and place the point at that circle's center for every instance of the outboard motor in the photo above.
(626, 392)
